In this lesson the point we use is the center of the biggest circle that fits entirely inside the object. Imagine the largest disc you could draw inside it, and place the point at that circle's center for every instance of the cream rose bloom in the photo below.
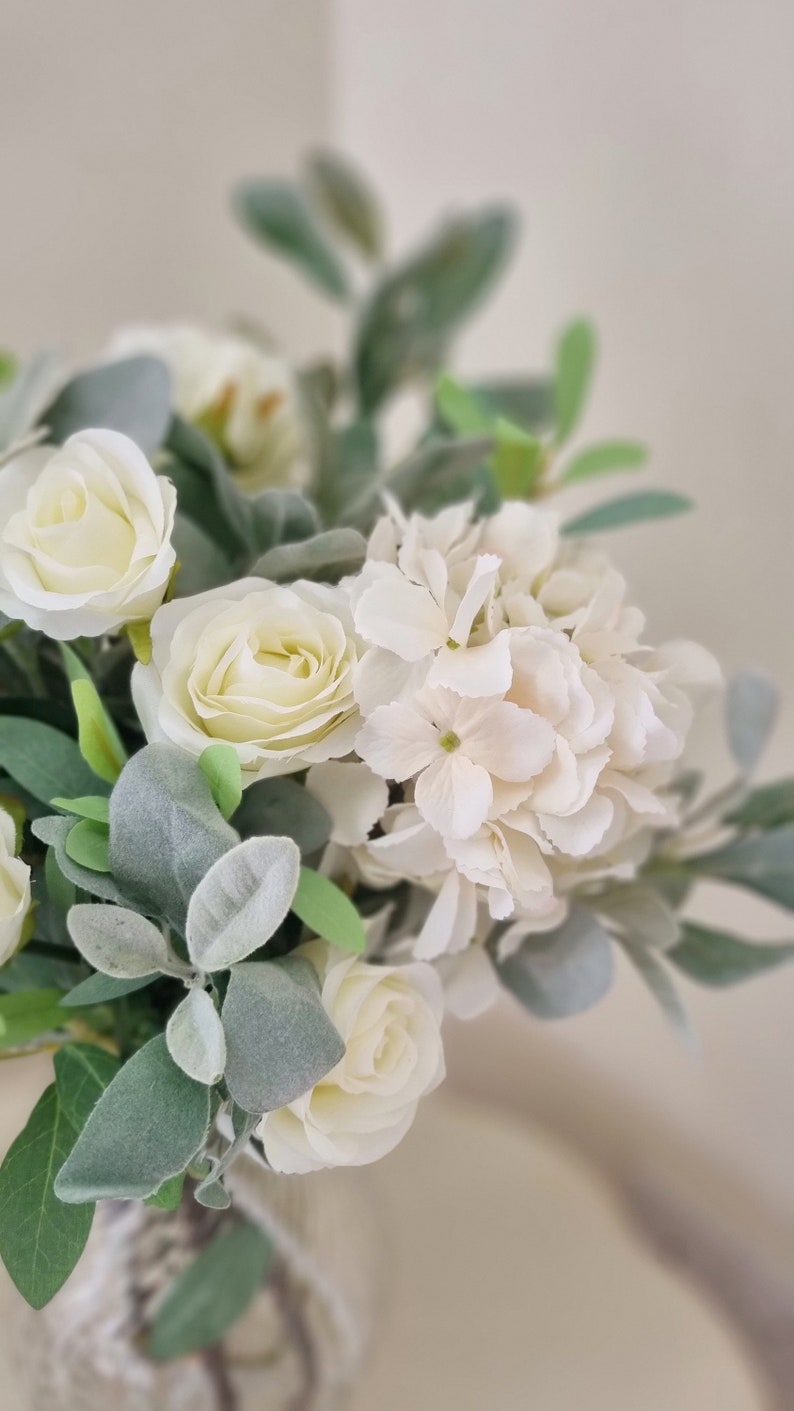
(389, 1018)
(265, 668)
(86, 540)
(245, 399)
(14, 890)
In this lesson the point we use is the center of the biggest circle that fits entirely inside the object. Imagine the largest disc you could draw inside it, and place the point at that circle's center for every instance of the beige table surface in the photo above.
(515, 1283)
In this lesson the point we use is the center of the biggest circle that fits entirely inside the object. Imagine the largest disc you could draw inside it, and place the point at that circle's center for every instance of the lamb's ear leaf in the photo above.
(195, 1037)
(283, 808)
(119, 942)
(131, 395)
(279, 1039)
(146, 1127)
(562, 972)
(40, 1239)
(241, 901)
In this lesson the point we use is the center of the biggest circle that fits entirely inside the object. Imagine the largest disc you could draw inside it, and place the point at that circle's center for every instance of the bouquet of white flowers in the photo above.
(300, 750)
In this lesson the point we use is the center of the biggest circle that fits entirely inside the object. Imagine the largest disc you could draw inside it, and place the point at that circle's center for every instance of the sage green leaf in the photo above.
(461, 409)
(348, 470)
(97, 736)
(27, 1014)
(205, 490)
(751, 708)
(434, 469)
(82, 1072)
(54, 831)
(628, 509)
(280, 517)
(328, 911)
(61, 892)
(212, 1194)
(118, 942)
(169, 1196)
(146, 1128)
(576, 355)
(165, 831)
(278, 215)
(347, 201)
(560, 973)
(656, 976)
(641, 914)
(94, 806)
(283, 808)
(40, 1241)
(212, 1293)
(221, 768)
(718, 958)
(769, 806)
(326, 557)
(410, 317)
(22, 399)
(87, 843)
(528, 402)
(763, 863)
(100, 989)
(43, 760)
(132, 395)
(202, 564)
(195, 1038)
(604, 459)
(279, 1039)
(241, 901)
(517, 461)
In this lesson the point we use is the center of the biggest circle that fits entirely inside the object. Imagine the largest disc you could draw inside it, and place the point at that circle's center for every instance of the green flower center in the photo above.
(449, 742)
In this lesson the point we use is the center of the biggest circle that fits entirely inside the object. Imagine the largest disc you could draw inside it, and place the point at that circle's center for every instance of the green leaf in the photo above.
(88, 844)
(202, 564)
(54, 831)
(206, 492)
(604, 459)
(169, 1196)
(433, 470)
(61, 892)
(326, 557)
(21, 401)
(146, 1127)
(751, 709)
(27, 1014)
(529, 402)
(241, 901)
(328, 912)
(769, 806)
(576, 354)
(461, 409)
(517, 462)
(347, 201)
(280, 807)
(132, 395)
(280, 517)
(212, 1293)
(348, 470)
(560, 973)
(409, 319)
(763, 863)
(101, 989)
(195, 1038)
(279, 1039)
(43, 760)
(654, 972)
(718, 958)
(97, 736)
(82, 1072)
(628, 509)
(94, 806)
(165, 831)
(119, 942)
(140, 634)
(278, 215)
(9, 367)
(221, 768)
(40, 1240)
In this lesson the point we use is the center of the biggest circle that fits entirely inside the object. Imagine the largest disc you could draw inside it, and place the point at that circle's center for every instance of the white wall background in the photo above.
(650, 148)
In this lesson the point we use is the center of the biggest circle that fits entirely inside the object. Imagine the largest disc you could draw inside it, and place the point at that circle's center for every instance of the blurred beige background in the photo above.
(650, 150)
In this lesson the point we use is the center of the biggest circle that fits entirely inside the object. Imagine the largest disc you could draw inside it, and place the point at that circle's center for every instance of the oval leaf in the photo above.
(628, 509)
(286, 809)
(562, 972)
(576, 353)
(751, 707)
(221, 769)
(278, 215)
(325, 557)
(132, 395)
(718, 959)
(87, 843)
(328, 912)
(347, 201)
(212, 1293)
(118, 942)
(43, 760)
(195, 1038)
(242, 900)
(604, 459)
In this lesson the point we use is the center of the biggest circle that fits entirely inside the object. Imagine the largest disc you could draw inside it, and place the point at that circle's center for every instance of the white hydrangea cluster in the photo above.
(504, 688)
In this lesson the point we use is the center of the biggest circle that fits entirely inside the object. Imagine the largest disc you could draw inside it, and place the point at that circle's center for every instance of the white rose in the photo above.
(265, 668)
(86, 540)
(14, 890)
(389, 1018)
(245, 399)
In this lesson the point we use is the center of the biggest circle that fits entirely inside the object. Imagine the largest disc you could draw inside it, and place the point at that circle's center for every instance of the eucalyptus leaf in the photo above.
(279, 1039)
(195, 1038)
(40, 1241)
(100, 989)
(221, 768)
(328, 911)
(146, 1127)
(278, 215)
(628, 509)
(604, 459)
(165, 831)
(326, 557)
(751, 707)
(576, 354)
(560, 973)
(763, 863)
(347, 201)
(82, 1072)
(283, 808)
(43, 760)
(718, 958)
(132, 395)
(241, 901)
(118, 942)
(212, 1293)
(769, 806)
